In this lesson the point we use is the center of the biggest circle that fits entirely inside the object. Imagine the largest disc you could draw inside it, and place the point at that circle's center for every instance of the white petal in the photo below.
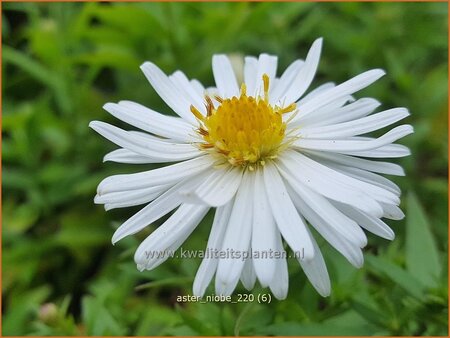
(320, 114)
(181, 82)
(350, 146)
(316, 270)
(151, 121)
(331, 216)
(316, 91)
(350, 161)
(325, 184)
(198, 87)
(217, 189)
(356, 127)
(306, 74)
(248, 276)
(279, 90)
(349, 87)
(126, 156)
(132, 197)
(264, 232)
(224, 76)
(387, 151)
(209, 263)
(267, 64)
(237, 239)
(349, 250)
(175, 230)
(166, 175)
(250, 69)
(288, 220)
(159, 151)
(368, 222)
(378, 193)
(392, 212)
(155, 210)
(366, 176)
(168, 92)
(349, 112)
(280, 281)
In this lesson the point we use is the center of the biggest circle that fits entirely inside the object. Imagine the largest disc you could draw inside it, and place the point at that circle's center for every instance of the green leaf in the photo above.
(202, 327)
(48, 77)
(22, 306)
(422, 256)
(98, 319)
(397, 274)
(373, 315)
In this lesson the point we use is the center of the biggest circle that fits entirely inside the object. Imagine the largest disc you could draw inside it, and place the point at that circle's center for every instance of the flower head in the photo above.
(272, 161)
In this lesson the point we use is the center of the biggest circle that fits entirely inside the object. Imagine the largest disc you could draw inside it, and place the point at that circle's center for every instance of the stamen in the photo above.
(243, 89)
(288, 109)
(209, 106)
(202, 132)
(266, 87)
(245, 131)
(197, 114)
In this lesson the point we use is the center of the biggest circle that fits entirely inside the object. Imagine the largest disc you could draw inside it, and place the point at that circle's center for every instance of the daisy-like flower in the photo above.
(272, 161)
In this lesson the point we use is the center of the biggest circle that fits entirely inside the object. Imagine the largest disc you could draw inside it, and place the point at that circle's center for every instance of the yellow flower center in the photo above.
(245, 130)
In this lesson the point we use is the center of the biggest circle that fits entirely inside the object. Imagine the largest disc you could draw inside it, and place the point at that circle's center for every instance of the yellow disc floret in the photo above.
(245, 130)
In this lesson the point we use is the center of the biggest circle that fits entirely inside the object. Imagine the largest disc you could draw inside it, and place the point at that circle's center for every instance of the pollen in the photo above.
(246, 131)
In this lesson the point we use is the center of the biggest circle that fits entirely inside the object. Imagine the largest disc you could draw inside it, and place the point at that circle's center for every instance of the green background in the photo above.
(62, 61)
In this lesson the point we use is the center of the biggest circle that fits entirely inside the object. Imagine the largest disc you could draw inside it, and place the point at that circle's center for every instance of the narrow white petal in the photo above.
(132, 197)
(356, 127)
(250, 69)
(288, 220)
(160, 151)
(126, 156)
(267, 64)
(182, 83)
(306, 74)
(320, 114)
(387, 151)
(155, 210)
(151, 121)
(248, 276)
(217, 189)
(209, 263)
(279, 90)
(349, 112)
(316, 270)
(326, 184)
(378, 193)
(173, 231)
(350, 146)
(366, 176)
(350, 161)
(264, 232)
(316, 91)
(224, 76)
(349, 250)
(280, 281)
(368, 222)
(166, 175)
(331, 216)
(198, 87)
(237, 239)
(349, 87)
(168, 92)
(392, 212)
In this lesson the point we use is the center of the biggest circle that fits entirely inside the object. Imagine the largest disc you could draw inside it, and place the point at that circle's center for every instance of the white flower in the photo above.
(271, 161)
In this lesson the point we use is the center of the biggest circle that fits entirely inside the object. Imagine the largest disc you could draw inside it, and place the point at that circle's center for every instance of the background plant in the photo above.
(62, 61)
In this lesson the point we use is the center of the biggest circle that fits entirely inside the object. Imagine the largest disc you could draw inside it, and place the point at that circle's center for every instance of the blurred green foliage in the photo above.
(63, 61)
